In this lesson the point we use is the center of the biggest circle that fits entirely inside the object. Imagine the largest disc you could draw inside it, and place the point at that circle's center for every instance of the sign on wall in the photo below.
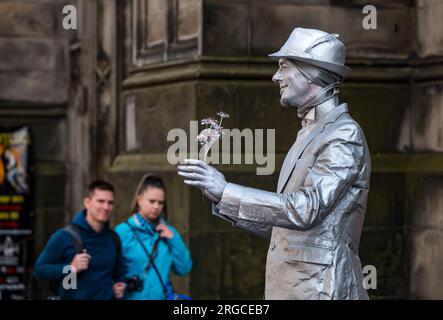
(16, 211)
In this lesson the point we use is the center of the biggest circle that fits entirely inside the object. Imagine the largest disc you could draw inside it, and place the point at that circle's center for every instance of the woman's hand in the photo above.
(164, 231)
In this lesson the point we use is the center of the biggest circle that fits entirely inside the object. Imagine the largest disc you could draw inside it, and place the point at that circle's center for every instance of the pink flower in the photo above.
(209, 121)
(223, 114)
(212, 132)
(209, 136)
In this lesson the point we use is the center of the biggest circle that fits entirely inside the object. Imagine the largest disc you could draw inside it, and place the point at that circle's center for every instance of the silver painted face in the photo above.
(294, 86)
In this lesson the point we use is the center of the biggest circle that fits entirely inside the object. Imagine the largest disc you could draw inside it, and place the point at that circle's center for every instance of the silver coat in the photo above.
(316, 215)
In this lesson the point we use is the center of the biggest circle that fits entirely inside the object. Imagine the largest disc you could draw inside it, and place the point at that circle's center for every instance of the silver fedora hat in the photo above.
(317, 48)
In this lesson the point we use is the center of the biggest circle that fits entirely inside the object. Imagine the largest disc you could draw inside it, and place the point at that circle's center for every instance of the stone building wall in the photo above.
(61, 83)
(424, 121)
(101, 101)
(393, 92)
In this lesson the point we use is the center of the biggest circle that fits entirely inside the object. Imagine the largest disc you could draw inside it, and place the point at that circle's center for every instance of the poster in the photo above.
(16, 211)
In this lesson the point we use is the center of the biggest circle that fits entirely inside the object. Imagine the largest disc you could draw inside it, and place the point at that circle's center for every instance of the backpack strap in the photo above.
(117, 242)
(118, 256)
(73, 230)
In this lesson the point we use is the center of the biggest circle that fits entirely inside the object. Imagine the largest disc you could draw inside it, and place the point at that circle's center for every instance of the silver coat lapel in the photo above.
(295, 154)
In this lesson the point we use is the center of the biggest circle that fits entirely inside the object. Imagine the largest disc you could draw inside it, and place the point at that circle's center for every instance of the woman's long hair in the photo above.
(148, 181)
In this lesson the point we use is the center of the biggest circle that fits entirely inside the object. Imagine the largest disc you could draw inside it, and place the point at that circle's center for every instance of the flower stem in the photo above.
(206, 148)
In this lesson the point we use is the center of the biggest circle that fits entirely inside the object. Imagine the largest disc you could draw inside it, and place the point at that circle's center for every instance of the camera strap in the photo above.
(149, 255)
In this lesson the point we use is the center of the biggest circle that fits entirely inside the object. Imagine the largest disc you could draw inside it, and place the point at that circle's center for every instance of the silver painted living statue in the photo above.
(316, 215)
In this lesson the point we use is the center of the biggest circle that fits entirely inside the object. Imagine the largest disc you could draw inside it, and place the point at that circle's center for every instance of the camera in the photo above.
(134, 283)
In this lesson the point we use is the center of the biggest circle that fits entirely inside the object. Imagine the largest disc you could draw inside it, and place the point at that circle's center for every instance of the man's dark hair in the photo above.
(99, 185)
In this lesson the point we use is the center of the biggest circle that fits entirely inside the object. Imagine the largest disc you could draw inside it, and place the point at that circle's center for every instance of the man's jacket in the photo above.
(104, 268)
(316, 216)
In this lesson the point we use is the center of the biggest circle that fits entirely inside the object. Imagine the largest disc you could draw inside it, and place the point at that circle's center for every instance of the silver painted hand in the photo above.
(203, 176)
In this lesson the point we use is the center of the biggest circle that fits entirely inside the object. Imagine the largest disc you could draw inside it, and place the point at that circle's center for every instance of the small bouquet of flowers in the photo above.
(212, 132)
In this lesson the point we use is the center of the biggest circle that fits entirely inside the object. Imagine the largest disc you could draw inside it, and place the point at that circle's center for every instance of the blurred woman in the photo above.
(151, 247)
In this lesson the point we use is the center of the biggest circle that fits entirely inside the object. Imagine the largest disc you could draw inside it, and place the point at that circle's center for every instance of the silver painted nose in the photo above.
(277, 77)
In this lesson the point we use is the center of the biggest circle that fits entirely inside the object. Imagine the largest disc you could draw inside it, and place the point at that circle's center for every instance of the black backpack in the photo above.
(73, 230)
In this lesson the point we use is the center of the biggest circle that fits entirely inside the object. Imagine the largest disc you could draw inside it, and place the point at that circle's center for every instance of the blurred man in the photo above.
(316, 216)
(89, 247)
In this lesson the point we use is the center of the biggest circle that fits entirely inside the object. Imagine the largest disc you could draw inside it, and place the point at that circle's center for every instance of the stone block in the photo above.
(201, 218)
(426, 263)
(125, 184)
(366, 105)
(242, 271)
(225, 29)
(34, 86)
(425, 118)
(205, 279)
(386, 201)
(227, 265)
(158, 110)
(156, 22)
(188, 19)
(429, 28)
(25, 18)
(50, 189)
(385, 250)
(425, 196)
